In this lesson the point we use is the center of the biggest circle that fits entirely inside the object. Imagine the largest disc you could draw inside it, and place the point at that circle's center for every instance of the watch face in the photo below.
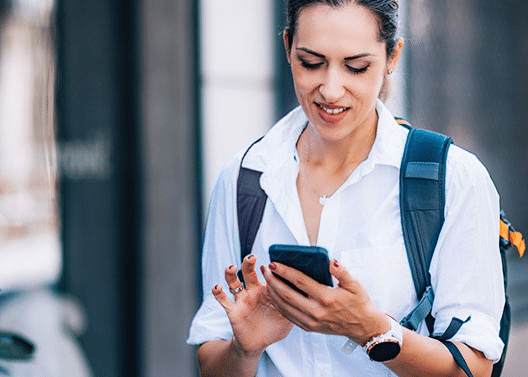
(384, 351)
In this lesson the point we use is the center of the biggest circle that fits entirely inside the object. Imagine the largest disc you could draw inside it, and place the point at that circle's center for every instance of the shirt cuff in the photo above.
(481, 332)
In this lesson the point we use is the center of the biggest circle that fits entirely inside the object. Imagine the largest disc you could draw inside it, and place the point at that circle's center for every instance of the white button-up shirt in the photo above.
(360, 226)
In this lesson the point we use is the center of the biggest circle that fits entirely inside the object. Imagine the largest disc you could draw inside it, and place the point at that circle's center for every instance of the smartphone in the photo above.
(310, 260)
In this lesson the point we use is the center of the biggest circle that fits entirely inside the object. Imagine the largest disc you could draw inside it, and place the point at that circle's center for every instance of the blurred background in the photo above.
(117, 116)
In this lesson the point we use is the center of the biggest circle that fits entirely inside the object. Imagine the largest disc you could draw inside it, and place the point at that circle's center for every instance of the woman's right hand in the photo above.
(255, 321)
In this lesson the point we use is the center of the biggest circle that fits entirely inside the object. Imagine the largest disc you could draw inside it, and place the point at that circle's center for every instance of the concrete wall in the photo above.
(170, 218)
(237, 73)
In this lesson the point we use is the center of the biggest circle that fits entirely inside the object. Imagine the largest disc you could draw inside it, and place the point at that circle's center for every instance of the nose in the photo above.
(332, 88)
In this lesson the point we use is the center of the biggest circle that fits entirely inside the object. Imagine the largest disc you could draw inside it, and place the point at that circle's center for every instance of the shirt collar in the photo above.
(390, 139)
(279, 144)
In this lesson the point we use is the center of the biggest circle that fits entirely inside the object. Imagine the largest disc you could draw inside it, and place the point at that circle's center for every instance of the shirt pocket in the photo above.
(384, 271)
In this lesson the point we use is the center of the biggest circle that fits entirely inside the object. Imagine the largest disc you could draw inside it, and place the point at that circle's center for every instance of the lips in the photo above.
(331, 113)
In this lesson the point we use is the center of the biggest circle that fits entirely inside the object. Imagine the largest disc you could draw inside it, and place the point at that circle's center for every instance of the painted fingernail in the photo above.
(336, 263)
(230, 268)
(262, 269)
(250, 257)
(216, 288)
(273, 267)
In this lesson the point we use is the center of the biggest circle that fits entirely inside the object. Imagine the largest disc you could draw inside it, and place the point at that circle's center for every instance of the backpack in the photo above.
(422, 202)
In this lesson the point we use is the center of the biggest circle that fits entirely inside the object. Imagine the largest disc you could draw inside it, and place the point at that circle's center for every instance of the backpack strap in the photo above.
(422, 203)
(422, 200)
(457, 355)
(251, 201)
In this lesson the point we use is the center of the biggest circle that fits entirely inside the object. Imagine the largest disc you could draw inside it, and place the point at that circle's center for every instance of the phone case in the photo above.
(310, 260)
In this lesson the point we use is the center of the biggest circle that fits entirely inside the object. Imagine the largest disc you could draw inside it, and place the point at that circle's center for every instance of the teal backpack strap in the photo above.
(251, 202)
(422, 200)
(422, 203)
(457, 355)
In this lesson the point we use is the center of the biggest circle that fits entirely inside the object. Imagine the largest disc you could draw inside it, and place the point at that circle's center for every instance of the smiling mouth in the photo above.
(332, 111)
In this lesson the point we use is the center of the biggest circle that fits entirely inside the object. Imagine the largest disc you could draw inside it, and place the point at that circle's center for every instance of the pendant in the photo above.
(323, 199)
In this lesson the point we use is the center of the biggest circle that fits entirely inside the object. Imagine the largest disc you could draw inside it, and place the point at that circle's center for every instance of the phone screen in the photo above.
(312, 261)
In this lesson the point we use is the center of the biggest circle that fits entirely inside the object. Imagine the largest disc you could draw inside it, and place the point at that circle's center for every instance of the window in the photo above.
(29, 230)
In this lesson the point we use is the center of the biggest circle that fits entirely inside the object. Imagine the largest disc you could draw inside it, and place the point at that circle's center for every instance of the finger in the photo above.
(222, 298)
(283, 295)
(235, 286)
(284, 299)
(344, 278)
(249, 272)
(303, 282)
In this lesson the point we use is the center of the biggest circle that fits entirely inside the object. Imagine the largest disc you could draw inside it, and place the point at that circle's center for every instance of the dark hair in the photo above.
(385, 10)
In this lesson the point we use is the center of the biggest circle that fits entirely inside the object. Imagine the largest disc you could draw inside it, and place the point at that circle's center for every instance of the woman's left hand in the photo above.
(344, 310)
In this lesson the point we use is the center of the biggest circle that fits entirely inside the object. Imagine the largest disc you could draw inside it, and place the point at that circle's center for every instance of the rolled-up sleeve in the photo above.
(466, 270)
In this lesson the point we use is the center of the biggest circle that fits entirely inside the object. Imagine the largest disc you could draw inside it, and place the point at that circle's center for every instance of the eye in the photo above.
(358, 70)
(307, 65)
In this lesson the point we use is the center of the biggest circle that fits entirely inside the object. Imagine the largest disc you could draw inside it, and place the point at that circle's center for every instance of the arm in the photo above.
(348, 310)
(415, 359)
(229, 333)
(222, 358)
(256, 324)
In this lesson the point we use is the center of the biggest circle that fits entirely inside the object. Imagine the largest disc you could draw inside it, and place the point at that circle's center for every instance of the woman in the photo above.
(330, 170)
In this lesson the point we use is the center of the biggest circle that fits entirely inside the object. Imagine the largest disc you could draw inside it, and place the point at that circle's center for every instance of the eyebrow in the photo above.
(354, 57)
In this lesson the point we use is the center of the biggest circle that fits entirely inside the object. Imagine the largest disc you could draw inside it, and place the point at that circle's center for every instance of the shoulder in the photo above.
(264, 153)
(466, 176)
(465, 165)
(277, 144)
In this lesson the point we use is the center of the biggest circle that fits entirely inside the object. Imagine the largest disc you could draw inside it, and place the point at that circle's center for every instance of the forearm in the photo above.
(421, 356)
(220, 358)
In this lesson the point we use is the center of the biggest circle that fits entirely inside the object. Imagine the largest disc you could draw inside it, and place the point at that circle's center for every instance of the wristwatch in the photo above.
(385, 346)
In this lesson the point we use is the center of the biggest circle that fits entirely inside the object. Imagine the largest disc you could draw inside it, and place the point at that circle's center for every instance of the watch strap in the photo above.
(385, 346)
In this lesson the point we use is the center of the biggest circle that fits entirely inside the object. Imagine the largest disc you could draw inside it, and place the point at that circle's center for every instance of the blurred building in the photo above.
(29, 233)
(129, 109)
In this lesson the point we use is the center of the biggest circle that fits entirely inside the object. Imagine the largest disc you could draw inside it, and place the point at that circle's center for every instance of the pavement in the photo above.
(517, 358)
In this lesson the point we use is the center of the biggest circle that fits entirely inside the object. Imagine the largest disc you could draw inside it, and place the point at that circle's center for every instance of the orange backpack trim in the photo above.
(512, 237)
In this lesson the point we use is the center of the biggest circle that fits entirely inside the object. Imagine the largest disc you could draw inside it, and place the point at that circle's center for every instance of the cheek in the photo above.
(367, 87)
(304, 83)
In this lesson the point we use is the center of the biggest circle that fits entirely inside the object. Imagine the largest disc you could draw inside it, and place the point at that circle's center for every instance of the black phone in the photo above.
(310, 260)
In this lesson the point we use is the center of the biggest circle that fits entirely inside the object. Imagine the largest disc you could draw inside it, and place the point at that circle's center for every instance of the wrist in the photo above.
(385, 346)
(245, 354)
(379, 324)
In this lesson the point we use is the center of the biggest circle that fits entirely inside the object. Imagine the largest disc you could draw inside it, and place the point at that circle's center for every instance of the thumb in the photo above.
(344, 278)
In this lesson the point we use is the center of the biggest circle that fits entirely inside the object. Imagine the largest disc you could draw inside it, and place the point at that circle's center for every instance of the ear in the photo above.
(393, 60)
(285, 36)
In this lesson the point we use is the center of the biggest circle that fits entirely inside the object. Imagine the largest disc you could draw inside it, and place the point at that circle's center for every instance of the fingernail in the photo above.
(262, 269)
(216, 288)
(231, 267)
(336, 263)
(273, 267)
(250, 257)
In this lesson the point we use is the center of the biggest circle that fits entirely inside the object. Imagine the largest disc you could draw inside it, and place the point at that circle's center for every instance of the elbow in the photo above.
(201, 356)
(480, 366)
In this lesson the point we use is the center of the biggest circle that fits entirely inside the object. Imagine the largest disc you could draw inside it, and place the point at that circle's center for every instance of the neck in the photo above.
(337, 155)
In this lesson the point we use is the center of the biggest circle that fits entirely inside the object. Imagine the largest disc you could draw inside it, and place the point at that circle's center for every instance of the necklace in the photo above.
(304, 175)
(323, 198)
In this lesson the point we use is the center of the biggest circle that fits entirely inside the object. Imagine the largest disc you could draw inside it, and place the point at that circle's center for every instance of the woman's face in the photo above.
(338, 65)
